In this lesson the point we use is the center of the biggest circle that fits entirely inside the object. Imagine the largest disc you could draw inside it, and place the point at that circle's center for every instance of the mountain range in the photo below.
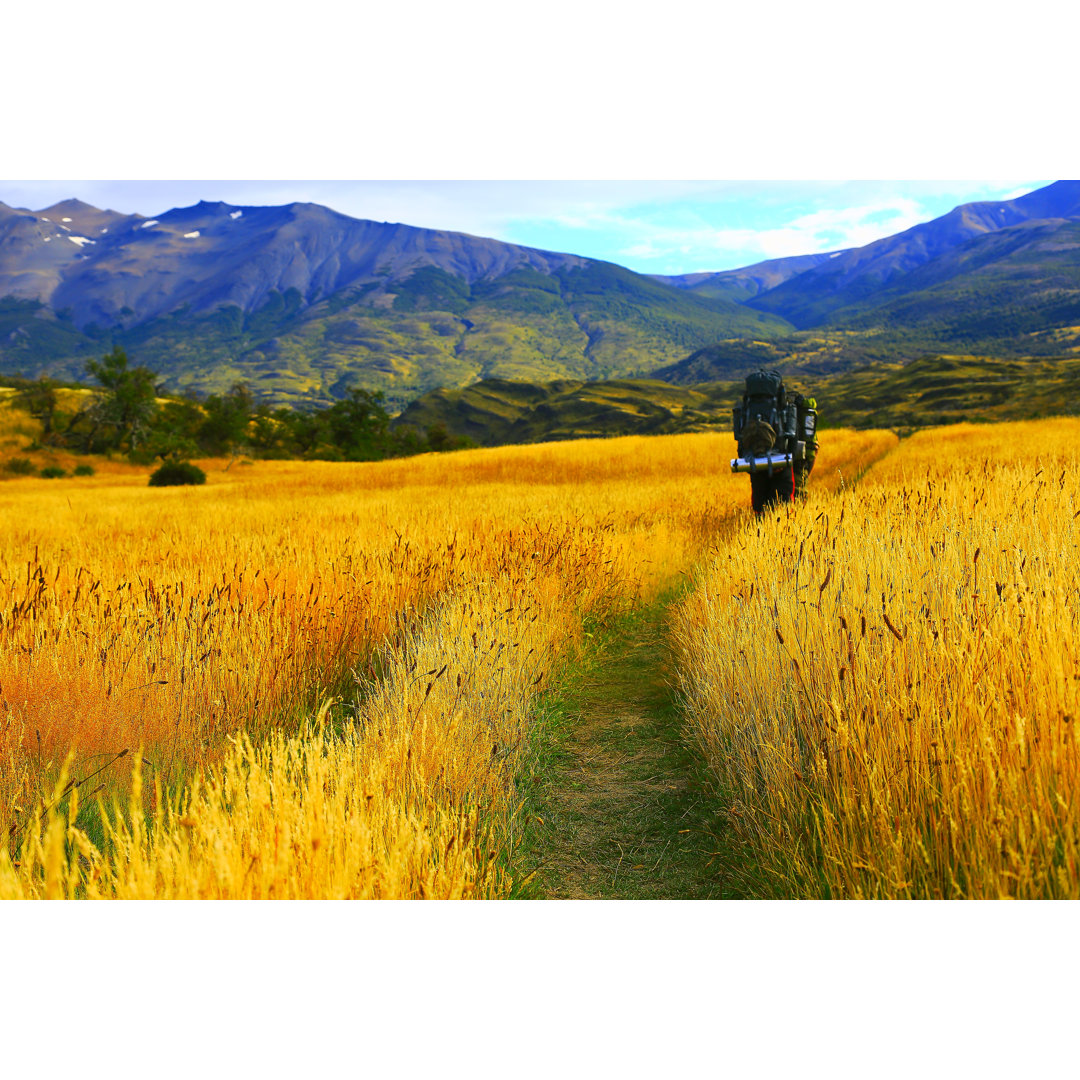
(301, 302)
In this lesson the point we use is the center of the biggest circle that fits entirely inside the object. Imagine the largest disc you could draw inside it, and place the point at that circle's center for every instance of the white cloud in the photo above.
(490, 208)
(826, 230)
(807, 234)
(1016, 194)
(646, 250)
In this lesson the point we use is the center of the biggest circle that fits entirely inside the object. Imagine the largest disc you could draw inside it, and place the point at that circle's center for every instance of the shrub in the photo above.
(174, 473)
(83, 470)
(53, 472)
(19, 466)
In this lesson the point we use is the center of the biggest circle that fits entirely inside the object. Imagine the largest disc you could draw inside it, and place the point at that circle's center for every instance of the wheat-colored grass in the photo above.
(198, 630)
(886, 682)
(414, 798)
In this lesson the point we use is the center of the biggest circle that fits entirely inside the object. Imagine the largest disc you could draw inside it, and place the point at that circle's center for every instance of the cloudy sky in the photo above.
(663, 227)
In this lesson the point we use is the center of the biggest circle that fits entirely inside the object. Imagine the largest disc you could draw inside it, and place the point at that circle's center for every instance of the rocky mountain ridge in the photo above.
(126, 270)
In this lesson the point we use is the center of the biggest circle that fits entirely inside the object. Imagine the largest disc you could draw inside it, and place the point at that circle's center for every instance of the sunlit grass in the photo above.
(424, 603)
(886, 683)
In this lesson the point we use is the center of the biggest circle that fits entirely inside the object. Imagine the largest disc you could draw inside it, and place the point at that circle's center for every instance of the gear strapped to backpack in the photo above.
(765, 421)
(806, 424)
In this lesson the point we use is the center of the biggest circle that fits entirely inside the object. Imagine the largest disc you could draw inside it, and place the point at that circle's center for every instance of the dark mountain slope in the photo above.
(39, 249)
(434, 329)
(749, 281)
(857, 275)
(35, 255)
(206, 256)
(85, 220)
(999, 288)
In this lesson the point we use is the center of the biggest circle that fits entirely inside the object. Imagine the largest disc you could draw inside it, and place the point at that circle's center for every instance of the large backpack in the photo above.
(766, 402)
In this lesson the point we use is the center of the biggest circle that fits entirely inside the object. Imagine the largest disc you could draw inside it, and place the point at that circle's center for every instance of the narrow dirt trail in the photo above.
(627, 810)
(622, 800)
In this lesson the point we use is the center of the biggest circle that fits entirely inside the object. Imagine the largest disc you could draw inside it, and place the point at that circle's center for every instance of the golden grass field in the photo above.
(886, 682)
(159, 623)
(324, 674)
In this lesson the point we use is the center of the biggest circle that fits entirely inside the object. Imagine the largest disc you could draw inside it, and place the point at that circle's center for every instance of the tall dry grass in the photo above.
(414, 794)
(190, 622)
(886, 682)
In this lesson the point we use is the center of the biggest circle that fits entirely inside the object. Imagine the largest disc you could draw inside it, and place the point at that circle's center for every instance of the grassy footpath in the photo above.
(620, 807)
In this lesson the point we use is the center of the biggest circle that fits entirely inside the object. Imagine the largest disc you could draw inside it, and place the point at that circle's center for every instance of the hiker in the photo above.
(777, 437)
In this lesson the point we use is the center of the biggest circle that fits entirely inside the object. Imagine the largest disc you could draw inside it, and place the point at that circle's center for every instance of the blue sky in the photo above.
(660, 227)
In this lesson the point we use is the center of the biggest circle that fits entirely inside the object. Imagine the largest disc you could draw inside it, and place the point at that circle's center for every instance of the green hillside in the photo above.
(33, 336)
(496, 412)
(927, 392)
(950, 389)
(433, 329)
(822, 352)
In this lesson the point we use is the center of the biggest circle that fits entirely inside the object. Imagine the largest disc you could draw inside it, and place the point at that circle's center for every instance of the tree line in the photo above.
(126, 414)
